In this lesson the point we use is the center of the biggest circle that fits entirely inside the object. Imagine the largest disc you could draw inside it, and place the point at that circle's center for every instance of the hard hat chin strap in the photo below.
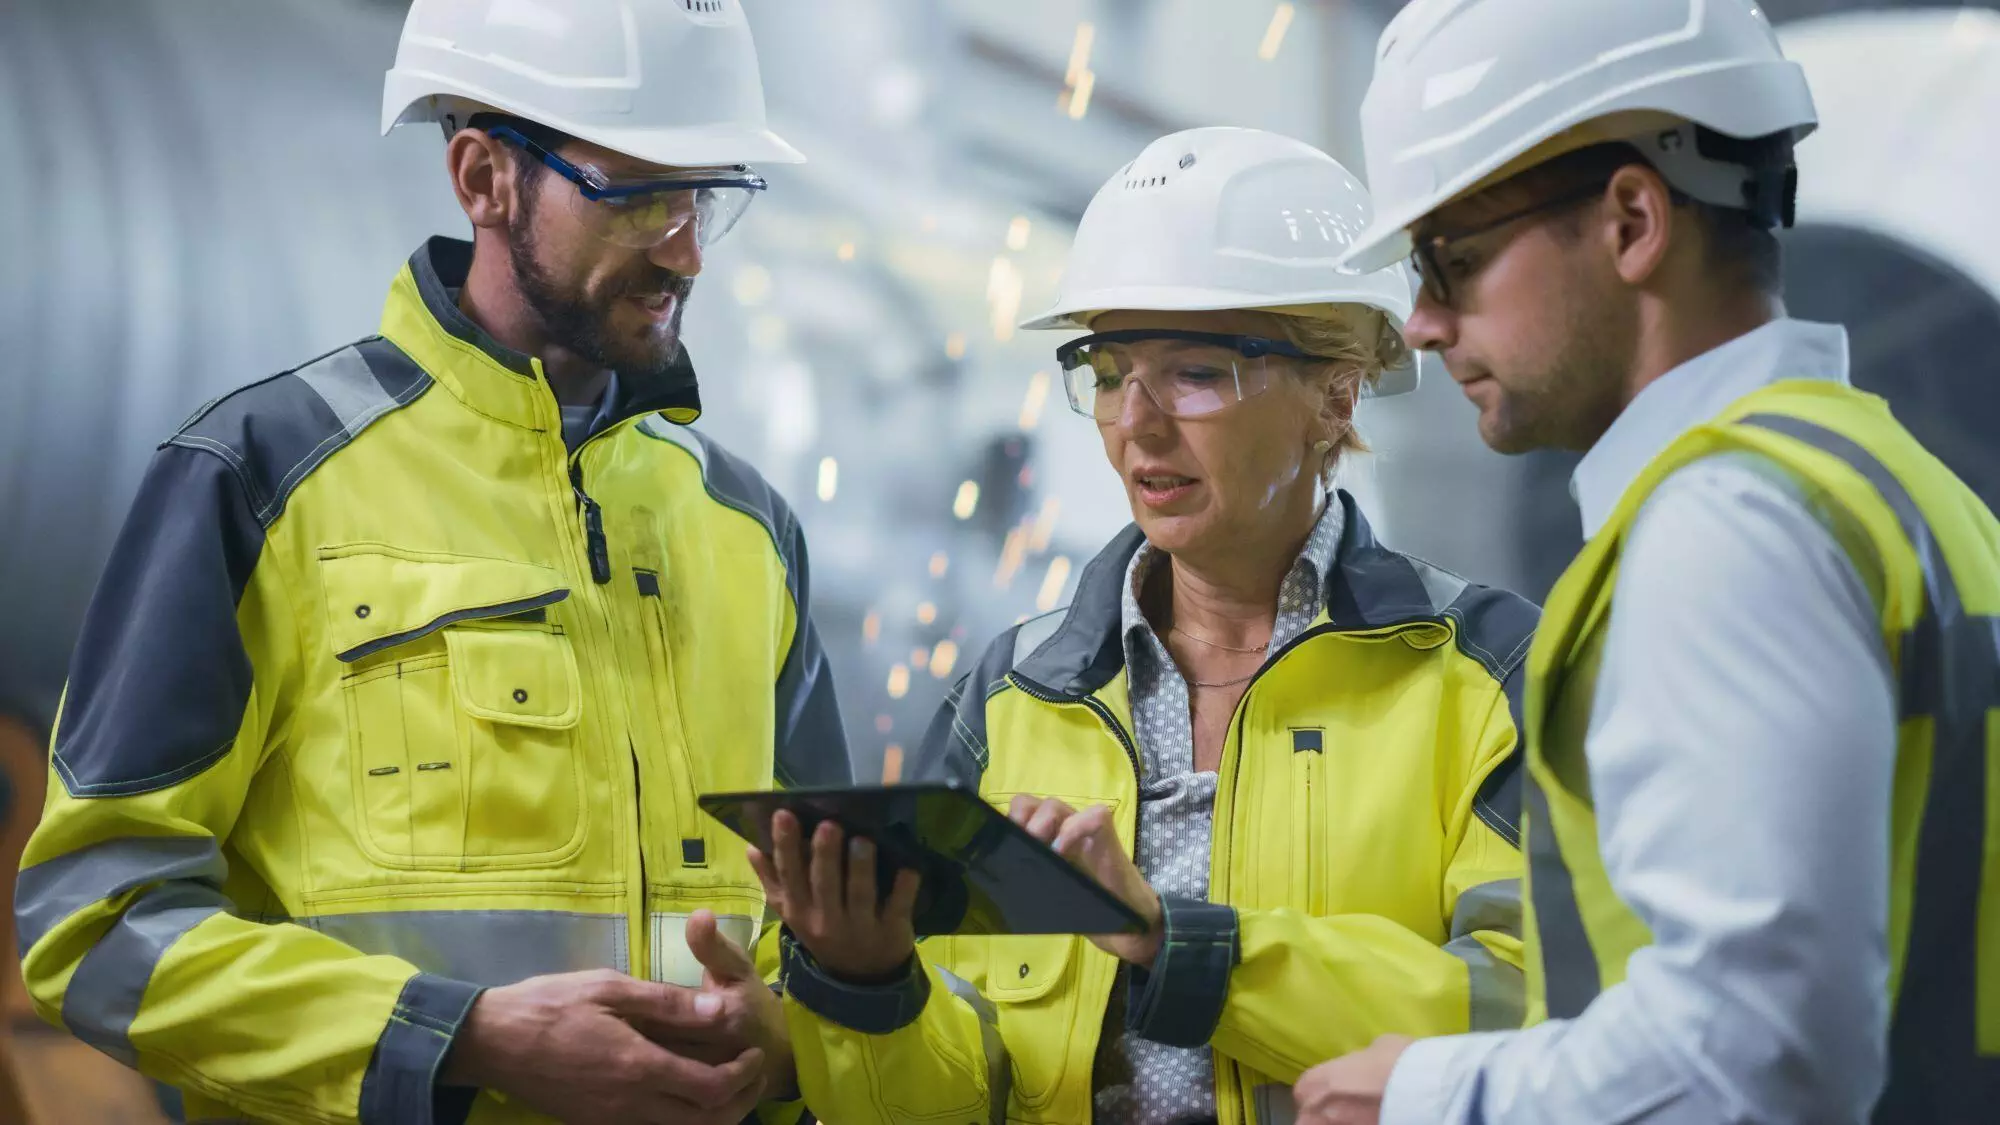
(1757, 176)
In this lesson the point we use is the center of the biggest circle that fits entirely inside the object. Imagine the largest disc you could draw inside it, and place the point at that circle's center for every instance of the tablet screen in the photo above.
(981, 873)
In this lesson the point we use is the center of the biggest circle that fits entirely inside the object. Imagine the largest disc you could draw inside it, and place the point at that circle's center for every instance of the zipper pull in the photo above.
(593, 531)
(600, 551)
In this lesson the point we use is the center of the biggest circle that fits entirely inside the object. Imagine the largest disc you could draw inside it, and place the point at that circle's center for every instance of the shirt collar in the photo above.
(1314, 562)
(1696, 392)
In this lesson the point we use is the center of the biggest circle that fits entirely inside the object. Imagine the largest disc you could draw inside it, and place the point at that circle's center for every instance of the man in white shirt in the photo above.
(1592, 216)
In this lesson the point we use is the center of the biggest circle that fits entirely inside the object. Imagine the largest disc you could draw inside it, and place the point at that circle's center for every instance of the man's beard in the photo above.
(582, 327)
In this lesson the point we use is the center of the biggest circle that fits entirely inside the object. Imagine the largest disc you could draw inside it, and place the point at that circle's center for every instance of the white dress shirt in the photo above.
(1742, 743)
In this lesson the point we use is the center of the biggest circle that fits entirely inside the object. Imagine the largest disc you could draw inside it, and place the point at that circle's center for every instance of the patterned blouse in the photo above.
(1140, 1082)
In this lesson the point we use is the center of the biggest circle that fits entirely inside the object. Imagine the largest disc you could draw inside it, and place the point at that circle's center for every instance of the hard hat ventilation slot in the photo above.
(705, 7)
(1149, 182)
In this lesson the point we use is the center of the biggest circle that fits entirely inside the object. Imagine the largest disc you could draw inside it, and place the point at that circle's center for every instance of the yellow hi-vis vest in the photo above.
(1902, 514)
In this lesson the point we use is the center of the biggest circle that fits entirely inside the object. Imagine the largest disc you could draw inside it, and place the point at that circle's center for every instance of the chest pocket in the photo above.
(462, 704)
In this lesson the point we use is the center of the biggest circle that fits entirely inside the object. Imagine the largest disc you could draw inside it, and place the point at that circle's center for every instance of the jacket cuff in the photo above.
(873, 1009)
(400, 1086)
(1179, 1000)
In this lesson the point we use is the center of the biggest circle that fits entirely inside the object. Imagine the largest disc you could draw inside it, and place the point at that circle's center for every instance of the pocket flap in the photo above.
(377, 598)
(521, 676)
(1026, 967)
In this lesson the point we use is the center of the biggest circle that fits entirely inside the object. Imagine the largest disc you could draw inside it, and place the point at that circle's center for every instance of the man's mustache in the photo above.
(663, 284)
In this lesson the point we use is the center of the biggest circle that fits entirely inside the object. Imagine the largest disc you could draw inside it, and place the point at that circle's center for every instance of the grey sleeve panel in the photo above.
(810, 743)
(160, 676)
(954, 748)
(1496, 628)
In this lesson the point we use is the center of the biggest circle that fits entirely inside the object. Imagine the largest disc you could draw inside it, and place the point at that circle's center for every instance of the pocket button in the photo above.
(520, 695)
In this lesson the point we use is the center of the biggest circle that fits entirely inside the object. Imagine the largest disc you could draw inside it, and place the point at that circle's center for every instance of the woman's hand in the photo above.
(1089, 840)
(825, 890)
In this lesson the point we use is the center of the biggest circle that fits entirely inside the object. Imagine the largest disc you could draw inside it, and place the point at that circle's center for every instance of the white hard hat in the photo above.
(1465, 88)
(669, 82)
(1222, 218)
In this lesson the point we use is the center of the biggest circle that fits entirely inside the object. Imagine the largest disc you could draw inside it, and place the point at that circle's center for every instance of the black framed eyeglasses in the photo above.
(1187, 374)
(640, 214)
(1431, 257)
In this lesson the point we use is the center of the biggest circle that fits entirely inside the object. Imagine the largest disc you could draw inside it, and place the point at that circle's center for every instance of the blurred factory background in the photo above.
(197, 196)
(200, 198)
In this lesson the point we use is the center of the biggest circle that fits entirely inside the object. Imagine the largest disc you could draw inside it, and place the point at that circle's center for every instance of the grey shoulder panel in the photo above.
(1495, 628)
(734, 483)
(274, 433)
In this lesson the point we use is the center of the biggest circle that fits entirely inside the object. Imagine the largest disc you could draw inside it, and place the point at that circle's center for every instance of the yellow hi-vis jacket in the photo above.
(362, 713)
(1365, 875)
(1932, 552)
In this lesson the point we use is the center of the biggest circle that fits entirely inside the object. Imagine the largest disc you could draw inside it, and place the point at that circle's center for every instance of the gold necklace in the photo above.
(1217, 644)
(1225, 683)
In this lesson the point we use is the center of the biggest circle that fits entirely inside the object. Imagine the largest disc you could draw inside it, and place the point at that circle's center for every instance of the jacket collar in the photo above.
(1370, 587)
(422, 317)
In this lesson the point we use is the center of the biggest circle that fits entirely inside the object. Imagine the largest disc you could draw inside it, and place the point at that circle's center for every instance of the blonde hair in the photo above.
(1356, 344)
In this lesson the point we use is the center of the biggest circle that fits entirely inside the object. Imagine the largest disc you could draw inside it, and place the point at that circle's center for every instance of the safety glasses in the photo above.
(1187, 374)
(639, 214)
(1440, 264)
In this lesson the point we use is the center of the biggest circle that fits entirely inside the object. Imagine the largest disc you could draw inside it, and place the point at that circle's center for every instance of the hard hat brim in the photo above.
(1180, 299)
(708, 146)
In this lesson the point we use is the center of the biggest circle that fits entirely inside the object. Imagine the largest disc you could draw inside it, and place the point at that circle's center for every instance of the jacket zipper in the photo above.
(595, 545)
(597, 553)
(1035, 691)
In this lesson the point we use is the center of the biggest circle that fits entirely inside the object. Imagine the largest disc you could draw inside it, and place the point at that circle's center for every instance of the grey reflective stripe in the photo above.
(489, 947)
(349, 387)
(1570, 977)
(1950, 671)
(999, 1074)
(1441, 585)
(55, 889)
(1497, 989)
(103, 996)
(274, 433)
(1494, 906)
(1273, 1104)
(1036, 631)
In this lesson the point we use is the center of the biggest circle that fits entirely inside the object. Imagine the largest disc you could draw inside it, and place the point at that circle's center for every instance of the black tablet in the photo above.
(981, 872)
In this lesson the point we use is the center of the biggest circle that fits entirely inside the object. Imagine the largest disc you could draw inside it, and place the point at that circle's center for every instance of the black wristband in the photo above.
(874, 1009)
(1179, 1000)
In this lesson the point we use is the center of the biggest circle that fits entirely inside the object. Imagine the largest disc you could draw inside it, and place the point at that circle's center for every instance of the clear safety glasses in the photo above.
(1187, 374)
(640, 214)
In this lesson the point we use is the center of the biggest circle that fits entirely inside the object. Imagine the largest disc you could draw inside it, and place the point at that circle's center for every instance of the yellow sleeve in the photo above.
(924, 1048)
(127, 936)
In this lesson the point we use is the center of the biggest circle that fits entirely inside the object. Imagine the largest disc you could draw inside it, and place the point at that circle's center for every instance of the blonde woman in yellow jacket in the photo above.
(1288, 747)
